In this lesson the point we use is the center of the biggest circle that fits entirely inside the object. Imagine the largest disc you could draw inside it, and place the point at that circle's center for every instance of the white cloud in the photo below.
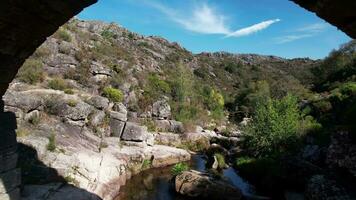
(314, 28)
(290, 38)
(206, 20)
(310, 30)
(253, 29)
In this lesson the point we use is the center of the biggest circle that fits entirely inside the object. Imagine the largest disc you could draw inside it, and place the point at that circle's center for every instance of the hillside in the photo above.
(96, 96)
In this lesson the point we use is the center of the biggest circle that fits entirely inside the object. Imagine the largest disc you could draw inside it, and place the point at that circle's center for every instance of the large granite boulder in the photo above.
(25, 102)
(99, 102)
(197, 184)
(161, 109)
(320, 187)
(342, 152)
(169, 126)
(77, 111)
(134, 132)
(116, 127)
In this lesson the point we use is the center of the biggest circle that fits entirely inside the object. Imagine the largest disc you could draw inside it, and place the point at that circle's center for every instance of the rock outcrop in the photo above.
(196, 184)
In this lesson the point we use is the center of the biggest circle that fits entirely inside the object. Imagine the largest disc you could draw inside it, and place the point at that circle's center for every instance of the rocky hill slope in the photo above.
(98, 103)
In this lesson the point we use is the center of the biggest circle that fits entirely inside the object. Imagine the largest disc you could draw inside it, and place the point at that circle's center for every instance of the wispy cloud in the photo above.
(253, 29)
(308, 31)
(206, 20)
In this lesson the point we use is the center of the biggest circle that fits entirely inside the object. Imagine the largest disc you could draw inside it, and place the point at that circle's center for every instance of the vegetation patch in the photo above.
(51, 146)
(179, 168)
(31, 71)
(113, 94)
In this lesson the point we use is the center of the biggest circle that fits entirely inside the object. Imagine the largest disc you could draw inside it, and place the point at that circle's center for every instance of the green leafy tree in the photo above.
(274, 129)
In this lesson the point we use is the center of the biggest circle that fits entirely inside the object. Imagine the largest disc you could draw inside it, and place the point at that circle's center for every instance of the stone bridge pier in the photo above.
(10, 176)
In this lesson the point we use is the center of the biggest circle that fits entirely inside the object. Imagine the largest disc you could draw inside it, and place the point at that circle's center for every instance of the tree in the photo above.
(274, 129)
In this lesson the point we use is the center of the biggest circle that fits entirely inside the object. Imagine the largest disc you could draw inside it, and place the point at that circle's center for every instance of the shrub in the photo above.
(68, 91)
(113, 94)
(31, 71)
(107, 34)
(146, 164)
(179, 168)
(274, 127)
(63, 34)
(58, 84)
(72, 103)
(51, 146)
(22, 132)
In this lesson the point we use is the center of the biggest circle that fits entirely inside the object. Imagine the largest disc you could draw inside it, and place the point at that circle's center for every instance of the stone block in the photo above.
(116, 128)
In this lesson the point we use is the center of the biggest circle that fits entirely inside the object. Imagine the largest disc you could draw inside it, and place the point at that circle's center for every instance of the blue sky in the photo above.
(269, 27)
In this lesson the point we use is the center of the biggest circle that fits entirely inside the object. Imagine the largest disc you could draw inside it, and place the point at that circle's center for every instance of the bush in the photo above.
(146, 164)
(31, 71)
(113, 94)
(179, 168)
(51, 146)
(68, 91)
(63, 34)
(72, 103)
(274, 128)
(58, 84)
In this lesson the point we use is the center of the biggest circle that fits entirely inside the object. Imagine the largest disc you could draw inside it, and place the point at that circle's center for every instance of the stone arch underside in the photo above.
(25, 25)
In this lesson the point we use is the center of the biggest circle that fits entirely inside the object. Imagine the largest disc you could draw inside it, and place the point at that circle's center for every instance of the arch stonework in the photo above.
(25, 25)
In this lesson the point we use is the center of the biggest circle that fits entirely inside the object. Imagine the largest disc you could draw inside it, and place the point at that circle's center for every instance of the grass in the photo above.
(22, 132)
(72, 103)
(146, 164)
(63, 34)
(31, 71)
(179, 168)
(58, 84)
(51, 146)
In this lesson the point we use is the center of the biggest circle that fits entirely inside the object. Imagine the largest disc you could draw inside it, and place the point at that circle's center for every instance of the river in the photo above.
(155, 184)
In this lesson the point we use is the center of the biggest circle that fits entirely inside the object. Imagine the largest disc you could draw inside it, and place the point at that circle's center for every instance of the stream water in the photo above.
(155, 184)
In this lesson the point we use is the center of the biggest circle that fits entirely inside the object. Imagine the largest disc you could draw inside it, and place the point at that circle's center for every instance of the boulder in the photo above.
(197, 184)
(320, 187)
(78, 112)
(134, 132)
(176, 126)
(161, 109)
(97, 118)
(32, 116)
(162, 125)
(116, 127)
(25, 102)
(164, 155)
(342, 152)
(118, 116)
(99, 102)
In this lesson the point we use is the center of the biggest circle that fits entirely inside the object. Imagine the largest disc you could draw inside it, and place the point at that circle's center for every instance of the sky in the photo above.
(268, 27)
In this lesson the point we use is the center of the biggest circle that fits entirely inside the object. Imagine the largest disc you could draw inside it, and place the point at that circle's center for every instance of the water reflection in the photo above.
(156, 184)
